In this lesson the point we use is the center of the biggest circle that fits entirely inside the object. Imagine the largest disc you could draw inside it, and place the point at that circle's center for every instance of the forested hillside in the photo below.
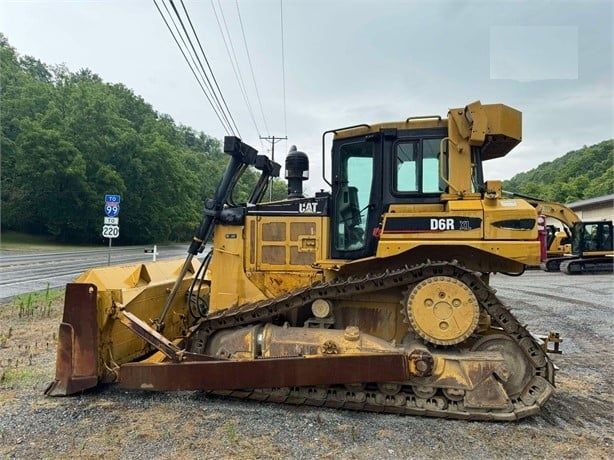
(577, 175)
(69, 138)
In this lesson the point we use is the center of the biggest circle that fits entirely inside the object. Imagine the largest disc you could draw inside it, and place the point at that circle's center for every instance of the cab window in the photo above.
(417, 167)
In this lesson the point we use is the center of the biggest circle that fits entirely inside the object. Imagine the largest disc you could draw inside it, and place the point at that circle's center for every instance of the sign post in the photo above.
(110, 228)
(153, 251)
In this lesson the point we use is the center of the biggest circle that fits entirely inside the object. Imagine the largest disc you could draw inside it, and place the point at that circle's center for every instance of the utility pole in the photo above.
(273, 140)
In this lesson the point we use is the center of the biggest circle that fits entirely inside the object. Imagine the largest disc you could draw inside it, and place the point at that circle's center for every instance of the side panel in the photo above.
(454, 220)
(509, 220)
(230, 284)
(287, 244)
(274, 252)
(282, 251)
(471, 231)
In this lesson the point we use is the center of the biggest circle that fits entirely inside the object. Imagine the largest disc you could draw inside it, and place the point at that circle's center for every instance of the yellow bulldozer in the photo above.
(371, 296)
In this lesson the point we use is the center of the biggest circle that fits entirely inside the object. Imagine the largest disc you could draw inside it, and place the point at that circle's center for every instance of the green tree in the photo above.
(50, 184)
(69, 138)
(577, 175)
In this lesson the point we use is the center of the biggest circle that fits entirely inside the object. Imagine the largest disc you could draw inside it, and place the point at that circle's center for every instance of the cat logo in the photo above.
(307, 207)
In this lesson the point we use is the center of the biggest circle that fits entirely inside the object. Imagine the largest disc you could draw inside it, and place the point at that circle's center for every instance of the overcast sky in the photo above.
(349, 62)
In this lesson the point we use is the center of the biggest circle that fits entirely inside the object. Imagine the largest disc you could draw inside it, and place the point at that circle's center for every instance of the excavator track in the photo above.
(377, 396)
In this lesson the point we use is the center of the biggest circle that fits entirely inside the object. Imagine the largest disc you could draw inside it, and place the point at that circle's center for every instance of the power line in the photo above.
(203, 73)
(230, 51)
(194, 55)
(209, 67)
(283, 64)
(221, 111)
(251, 67)
(190, 65)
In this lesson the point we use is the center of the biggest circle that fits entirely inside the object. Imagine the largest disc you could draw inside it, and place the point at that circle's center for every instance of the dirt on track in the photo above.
(110, 423)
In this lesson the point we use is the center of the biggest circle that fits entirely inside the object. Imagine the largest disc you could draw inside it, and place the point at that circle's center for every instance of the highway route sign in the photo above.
(111, 210)
(111, 205)
(110, 231)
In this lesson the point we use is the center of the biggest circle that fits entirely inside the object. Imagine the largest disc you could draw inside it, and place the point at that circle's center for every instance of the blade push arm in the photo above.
(241, 156)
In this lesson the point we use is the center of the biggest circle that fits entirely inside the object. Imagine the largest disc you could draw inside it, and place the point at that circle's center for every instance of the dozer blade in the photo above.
(76, 365)
(93, 342)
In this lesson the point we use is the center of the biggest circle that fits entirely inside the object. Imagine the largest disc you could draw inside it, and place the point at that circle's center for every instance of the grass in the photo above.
(38, 302)
(231, 431)
(12, 377)
(28, 328)
(16, 241)
(28, 339)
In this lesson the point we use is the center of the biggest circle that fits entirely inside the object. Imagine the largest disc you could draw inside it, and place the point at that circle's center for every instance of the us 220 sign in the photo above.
(110, 231)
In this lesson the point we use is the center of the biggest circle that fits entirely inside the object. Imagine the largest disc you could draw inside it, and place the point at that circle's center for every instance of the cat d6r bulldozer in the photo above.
(371, 296)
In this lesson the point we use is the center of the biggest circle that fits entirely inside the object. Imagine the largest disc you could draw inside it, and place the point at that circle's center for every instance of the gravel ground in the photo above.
(110, 423)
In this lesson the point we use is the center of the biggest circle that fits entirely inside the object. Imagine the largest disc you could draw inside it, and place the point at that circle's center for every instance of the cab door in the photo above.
(356, 200)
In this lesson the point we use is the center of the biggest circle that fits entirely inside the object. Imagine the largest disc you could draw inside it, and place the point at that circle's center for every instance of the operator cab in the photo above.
(373, 171)
(592, 238)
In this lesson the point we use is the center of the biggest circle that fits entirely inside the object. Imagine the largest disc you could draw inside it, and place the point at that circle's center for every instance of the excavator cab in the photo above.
(591, 249)
(592, 239)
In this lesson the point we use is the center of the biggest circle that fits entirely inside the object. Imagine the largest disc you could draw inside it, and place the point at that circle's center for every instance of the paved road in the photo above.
(23, 272)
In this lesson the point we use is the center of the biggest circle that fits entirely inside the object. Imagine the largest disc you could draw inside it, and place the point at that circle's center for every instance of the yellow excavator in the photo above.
(581, 247)
(371, 296)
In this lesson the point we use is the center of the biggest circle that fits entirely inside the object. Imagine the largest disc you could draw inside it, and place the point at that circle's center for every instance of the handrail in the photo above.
(441, 175)
(423, 117)
(335, 131)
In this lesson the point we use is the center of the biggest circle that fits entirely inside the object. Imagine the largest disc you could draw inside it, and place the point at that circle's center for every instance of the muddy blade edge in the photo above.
(76, 361)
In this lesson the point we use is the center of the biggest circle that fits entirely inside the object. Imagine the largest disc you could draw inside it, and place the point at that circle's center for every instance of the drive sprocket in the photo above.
(442, 310)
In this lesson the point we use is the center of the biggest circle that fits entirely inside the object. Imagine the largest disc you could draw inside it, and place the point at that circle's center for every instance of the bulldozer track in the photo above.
(405, 401)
